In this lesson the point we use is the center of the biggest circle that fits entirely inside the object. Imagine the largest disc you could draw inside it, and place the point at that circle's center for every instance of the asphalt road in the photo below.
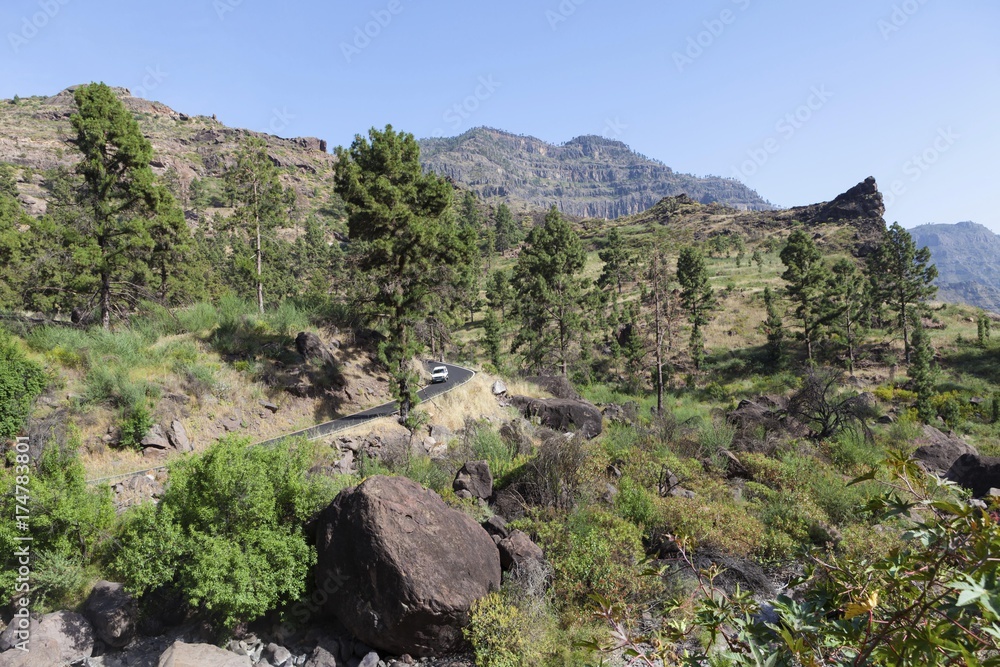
(456, 376)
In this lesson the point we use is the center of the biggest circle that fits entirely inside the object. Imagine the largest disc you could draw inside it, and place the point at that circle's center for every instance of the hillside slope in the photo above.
(588, 176)
(36, 133)
(967, 256)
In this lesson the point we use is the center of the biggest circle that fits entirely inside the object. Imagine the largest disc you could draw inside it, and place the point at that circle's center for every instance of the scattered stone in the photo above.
(178, 437)
(439, 433)
(311, 347)
(563, 414)
(230, 423)
(610, 492)
(180, 654)
(514, 433)
(517, 549)
(496, 525)
(370, 660)
(156, 438)
(499, 388)
(322, 658)
(61, 638)
(476, 479)
(407, 566)
(886, 419)
(113, 613)
(267, 405)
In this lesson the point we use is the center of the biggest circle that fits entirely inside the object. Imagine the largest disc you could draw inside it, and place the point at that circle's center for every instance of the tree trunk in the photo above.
(105, 300)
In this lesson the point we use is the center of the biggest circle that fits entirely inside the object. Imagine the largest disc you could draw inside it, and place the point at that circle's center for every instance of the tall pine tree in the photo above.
(697, 298)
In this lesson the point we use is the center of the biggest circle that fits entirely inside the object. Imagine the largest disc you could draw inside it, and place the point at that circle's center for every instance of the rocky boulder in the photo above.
(310, 347)
(977, 473)
(938, 451)
(113, 613)
(557, 385)
(57, 640)
(407, 566)
(474, 480)
(180, 654)
(518, 551)
(562, 414)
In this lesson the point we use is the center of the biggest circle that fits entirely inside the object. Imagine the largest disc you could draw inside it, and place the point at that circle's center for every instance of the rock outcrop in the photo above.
(977, 473)
(938, 451)
(563, 414)
(200, 655)
(406, 566)
(56, 640)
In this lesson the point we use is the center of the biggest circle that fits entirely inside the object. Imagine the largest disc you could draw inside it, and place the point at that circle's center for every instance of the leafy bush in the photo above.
(59, 580)
(228, 532)
(112, 386)
(495, 632)
(594, 552)
(70, 522)
(21, 382)
(635, 503)
(134, 427)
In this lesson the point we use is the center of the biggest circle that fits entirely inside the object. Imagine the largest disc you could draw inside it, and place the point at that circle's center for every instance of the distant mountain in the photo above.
(967, 256)
(590, 176)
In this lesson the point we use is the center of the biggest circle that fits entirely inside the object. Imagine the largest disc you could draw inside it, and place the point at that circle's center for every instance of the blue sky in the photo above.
(800, 100)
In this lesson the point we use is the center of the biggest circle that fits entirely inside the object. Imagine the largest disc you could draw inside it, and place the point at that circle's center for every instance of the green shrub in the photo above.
(134, 427)
(635, 503)
(69, 521)
(59, 580)
(495, 632)
(850, 450)
(594, 552)
(198, 318)
(21, 382)
(228, 532)
(112, 385)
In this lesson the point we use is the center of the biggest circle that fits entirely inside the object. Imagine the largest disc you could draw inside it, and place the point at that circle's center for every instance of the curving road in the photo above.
(457, 376)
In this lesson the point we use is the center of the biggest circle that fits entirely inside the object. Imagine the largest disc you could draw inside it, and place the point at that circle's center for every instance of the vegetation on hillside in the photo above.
(763, 412)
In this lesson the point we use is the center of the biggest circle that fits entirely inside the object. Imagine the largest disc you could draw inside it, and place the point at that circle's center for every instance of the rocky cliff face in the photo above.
(590, 176)
(967, 256)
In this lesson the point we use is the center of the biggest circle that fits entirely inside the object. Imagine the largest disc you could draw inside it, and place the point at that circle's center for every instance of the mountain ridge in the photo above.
(588, 176)
(967, 256)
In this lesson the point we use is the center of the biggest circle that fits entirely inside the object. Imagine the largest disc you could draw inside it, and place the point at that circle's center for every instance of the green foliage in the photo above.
(594, 552)
(921, 372)
(508, 230)
(550, 294)
(808, 281)
(495, 632)
(134, 427)
(69, 521)
(228, 532)
(409, 249)
(773, 327)
(635, 503)
(902, 277)
(21, 382)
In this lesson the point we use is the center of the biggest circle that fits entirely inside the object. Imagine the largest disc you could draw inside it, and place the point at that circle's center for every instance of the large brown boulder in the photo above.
(474, 480)
(938, 452)
(406, 566)
(562, 414)
(113, 613)
(976, 473)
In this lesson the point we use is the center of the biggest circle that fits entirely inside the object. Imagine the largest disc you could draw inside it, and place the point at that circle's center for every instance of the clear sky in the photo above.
(800, 100)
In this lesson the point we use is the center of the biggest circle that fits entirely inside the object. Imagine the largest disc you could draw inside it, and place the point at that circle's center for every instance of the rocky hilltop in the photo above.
(36, 133)
(852, 221)
(967, 256)
(589, 176)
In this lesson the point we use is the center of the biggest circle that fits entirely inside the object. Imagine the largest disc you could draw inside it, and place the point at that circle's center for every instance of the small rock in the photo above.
(518, 549)
(155, 438)
(499, 388)
(269, 406)
(370, 660)
(178, 437)
(476, 478)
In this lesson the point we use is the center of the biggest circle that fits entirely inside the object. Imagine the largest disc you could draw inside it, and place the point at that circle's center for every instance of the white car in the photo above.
(439, 374)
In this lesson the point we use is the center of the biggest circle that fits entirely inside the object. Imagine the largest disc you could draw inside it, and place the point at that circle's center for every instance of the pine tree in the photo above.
(493, 339)
(697, 298)
(508, 231)
(662, 303)
(113, 235)
(773, 327)
(618, 261)
(407, 247)
(983, 324)
(500, 293)
(921, 372)
(261, 202)
(847, 297)
(550, 293)
(808, 286)
(902, 277)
